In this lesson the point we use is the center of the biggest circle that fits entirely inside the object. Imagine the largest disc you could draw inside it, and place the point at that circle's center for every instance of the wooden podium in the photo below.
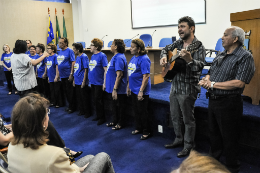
(153, 54)
(250, 20)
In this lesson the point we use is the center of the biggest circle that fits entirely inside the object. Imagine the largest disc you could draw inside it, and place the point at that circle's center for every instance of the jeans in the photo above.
(101, 163)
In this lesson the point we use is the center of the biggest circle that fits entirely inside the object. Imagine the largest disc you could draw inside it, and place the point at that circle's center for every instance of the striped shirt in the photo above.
(239, 65)
(23, 72)
(187, 82)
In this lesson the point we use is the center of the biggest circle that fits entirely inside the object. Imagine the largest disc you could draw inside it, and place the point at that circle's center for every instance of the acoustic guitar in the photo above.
(175, 63)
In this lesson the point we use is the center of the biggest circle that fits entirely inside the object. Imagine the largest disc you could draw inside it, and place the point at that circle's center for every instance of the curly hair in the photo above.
(120, 45)
(189, 21)
(140, 44)
(28, 116)
(97, 43)
(20, 47)
(53, 47)
(78, 46)
(41, 46)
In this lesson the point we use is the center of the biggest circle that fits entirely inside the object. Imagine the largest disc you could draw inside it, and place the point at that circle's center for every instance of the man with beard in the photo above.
(184, 88)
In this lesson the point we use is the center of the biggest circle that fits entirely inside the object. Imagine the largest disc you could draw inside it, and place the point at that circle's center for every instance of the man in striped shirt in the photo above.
(185, 88)
(225, 81)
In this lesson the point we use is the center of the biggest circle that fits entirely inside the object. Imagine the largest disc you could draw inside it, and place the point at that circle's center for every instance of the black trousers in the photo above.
(43, 87)
(118, 108)
(9, 79)
(54, 137)
(24, 93)
(83, 99)
(56, 94)
(224, 126)
(141, 113)
(97, 95)
(69, 92)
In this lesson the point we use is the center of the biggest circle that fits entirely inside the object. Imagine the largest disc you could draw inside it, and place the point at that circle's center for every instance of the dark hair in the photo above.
(20, 47)
(140, 44)
(29, 41)
(65, 41)
(120, 45)
(28, 116)
(189, 21)
(97, 43)
(53, 47)
(78, 46)
(32, 46)
(41, 46)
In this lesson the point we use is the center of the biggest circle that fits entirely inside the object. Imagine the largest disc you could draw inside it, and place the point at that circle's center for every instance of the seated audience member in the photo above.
(6, 133)
(97, 78)
(80, 81)
(139, 86)
(198, 163)
(41, 72)
(22, 68)
(116, 83)
(56, 93)
(5, 59)
(28, 151)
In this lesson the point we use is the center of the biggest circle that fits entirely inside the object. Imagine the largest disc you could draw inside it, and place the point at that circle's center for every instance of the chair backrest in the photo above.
(165, 41)
(219, 46)
(83, 44)
(109, 44)
(147, 38)
(127, 42)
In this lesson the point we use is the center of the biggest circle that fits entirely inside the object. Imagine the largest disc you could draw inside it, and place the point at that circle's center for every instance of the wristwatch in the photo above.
(212, 84)
(115, 89)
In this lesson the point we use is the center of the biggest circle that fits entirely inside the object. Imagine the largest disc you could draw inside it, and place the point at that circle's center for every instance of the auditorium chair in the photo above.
(109, 44)
(165, 41)
(127, 42)
(147, 38)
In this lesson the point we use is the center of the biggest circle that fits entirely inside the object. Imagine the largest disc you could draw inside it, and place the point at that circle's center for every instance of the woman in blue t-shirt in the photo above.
(97, 78)
(80, 81)
(139, 86)
(116, 83)
(6, 61)
(56, 92)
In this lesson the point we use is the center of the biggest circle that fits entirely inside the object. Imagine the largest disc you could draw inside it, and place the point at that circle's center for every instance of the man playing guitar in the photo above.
(184, 88)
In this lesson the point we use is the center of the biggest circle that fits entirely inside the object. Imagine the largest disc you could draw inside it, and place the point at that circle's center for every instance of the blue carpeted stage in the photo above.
(130, 154)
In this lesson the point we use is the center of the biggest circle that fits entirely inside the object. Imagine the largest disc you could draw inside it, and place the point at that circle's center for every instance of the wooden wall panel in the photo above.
(22, 19)
(250, 20)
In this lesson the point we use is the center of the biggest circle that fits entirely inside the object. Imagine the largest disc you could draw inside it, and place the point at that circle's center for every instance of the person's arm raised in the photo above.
(37, 61)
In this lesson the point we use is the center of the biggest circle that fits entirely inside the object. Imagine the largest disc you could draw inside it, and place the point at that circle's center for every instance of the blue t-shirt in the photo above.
(137, 67)
(96, 70)
(41, 67)
(7, 61)
(36, 56)
(51, 67)
(65, 59)
(117, 63)
(81, 64)
(28, 52)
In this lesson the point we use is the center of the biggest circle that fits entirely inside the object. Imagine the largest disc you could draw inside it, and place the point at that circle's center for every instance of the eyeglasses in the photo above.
(49, 111)
(92, 45)
(32, 49)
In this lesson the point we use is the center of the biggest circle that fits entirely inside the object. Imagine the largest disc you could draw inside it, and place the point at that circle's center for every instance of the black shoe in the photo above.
(70, 111)
(143, 138)
(77, 154)
(183, 153)
(87, 116)
(95, 119)
(79, 114)
(173, 145)
(101, 121)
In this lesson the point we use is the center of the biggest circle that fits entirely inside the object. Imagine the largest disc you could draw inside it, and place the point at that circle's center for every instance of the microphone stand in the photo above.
(150, 40)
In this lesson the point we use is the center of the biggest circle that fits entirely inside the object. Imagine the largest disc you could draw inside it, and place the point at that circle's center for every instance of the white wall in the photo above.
(113, 18)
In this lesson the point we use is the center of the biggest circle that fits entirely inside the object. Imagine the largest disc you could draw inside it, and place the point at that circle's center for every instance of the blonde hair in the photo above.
(198, 163)
(7, 46)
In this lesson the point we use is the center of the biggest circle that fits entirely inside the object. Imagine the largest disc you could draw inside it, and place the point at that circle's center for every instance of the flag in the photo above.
(57, 31)
(50, 37)
(64, 29)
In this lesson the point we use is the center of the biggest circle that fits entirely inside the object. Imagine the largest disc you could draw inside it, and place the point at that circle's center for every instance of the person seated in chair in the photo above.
(28, 151)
